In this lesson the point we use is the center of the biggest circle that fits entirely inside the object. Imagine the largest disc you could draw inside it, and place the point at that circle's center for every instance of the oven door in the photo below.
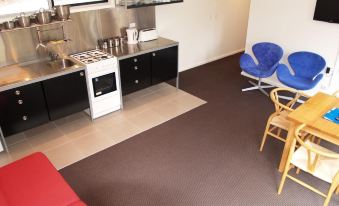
(104, 84)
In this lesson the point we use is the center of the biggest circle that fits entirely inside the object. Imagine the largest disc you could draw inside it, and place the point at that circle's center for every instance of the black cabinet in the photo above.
(148, 69)
(164, 65)
(66, 95)
(22, 108)
(135, 73)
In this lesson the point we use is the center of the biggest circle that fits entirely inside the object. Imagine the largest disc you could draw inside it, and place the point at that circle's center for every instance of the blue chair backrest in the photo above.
(306, 64)
(267, 54)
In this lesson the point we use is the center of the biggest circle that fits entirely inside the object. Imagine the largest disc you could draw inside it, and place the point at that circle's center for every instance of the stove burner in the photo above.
(89, 57)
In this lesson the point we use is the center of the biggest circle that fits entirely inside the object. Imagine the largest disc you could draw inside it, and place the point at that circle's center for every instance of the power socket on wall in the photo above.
(328, 70)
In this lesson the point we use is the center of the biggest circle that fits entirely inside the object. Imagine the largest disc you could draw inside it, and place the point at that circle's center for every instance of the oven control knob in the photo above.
(17, 92)
(81, 74)
(136, 81)
(136, 68)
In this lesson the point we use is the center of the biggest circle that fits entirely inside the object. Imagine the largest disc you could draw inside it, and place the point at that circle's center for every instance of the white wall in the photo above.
(290, 24)
(206, 29)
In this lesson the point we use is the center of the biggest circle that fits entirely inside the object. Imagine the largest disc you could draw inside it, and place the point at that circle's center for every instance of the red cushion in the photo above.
(78, 203)
(33, 181)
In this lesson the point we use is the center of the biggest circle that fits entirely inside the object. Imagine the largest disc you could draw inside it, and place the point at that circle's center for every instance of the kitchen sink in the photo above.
(62, 63)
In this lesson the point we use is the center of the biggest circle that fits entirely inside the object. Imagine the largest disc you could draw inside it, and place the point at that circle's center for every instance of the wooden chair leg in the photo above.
(265, 136)
(337, 191)
(330, 193)
(283, 179)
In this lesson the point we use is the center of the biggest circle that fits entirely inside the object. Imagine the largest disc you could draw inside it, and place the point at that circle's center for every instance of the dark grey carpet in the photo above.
(206, 157)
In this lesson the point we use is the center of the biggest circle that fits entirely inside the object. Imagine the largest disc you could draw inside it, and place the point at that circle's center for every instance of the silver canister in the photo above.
(23, 20)
(116, 41)
(62, 12)
(110, 43)
(9, 25)
(44, 16)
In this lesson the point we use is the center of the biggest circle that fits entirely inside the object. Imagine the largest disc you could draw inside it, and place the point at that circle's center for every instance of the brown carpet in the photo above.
(206, 157)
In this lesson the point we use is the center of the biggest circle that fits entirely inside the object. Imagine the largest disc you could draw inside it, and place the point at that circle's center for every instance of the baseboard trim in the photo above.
(211, 60)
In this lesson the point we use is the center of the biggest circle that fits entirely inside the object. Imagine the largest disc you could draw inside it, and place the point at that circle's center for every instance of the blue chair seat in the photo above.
(268, 56)
(307, 67)
(296, 82)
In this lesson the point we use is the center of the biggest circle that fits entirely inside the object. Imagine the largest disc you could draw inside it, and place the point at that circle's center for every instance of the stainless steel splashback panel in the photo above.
(84, 30)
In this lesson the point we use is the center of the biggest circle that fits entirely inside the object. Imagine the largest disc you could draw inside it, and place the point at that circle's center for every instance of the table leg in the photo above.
(288, 143)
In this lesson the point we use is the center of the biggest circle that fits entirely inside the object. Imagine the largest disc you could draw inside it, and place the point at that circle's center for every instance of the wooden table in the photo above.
(311, 113)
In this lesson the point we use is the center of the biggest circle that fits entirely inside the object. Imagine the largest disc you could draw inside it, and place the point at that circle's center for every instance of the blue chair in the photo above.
(268, 56)
(307, 67)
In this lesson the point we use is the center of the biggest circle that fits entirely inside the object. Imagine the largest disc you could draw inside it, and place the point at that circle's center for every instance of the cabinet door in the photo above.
(22, 108)
(66, 95)
(135, 73)
(164, 65)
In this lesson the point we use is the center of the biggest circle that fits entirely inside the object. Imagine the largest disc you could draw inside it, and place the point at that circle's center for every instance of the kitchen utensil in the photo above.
(23, 20)
(148, 35)
(43, 16)
(62, 12)
(9, 25)
(132, 35)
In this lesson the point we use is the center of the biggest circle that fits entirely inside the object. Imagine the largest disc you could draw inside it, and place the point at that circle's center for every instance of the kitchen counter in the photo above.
(18, 75)
(126, 51)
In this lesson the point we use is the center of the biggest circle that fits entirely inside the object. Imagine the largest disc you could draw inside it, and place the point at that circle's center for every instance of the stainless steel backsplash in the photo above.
(84, 30)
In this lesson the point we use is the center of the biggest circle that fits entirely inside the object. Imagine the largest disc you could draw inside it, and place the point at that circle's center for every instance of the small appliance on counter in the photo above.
(103, 82)
(148, 35)
(132, 34)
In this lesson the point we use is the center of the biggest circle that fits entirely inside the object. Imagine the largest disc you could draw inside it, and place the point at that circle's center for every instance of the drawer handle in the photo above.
(24, 118)
(136, 68)
(136, 81)
(17, 92)
(154, 54)
(82, 74)
(135, 60)
(20, 101)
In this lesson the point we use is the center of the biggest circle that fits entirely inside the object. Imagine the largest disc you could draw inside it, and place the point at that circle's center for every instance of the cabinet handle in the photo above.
(136, 81)
(135, 60)
(20, 101)
(81, 74)
(17, 92)
(136, 68)
(154, 54)
(24, 118)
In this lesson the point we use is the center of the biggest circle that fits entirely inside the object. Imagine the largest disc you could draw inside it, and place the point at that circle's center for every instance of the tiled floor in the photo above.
(75, 137)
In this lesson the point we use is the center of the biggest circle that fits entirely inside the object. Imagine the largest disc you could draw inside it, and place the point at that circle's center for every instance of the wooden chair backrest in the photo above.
(280, 106)
(311, 164)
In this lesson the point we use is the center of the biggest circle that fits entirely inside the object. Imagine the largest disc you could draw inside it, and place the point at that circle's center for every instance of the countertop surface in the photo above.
(17, 75)
(129, 50)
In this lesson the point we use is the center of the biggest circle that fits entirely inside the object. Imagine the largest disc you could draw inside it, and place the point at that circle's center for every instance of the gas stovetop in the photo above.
(92, 56)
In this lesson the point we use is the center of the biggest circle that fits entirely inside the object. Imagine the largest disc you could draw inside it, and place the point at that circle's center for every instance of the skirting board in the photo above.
(211, 60)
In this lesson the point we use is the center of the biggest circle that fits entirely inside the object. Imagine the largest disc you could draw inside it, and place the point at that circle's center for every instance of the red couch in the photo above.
(33, 181)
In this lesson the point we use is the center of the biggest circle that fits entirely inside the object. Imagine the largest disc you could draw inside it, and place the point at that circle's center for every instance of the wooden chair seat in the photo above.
(281, 120)
(326, 167)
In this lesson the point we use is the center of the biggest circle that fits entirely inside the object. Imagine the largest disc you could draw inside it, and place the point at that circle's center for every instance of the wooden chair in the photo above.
(315, 160)
(278, 120)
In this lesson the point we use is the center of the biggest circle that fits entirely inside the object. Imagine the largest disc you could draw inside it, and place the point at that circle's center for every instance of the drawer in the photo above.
(132, 85)
(140, 60)
(22, 108)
